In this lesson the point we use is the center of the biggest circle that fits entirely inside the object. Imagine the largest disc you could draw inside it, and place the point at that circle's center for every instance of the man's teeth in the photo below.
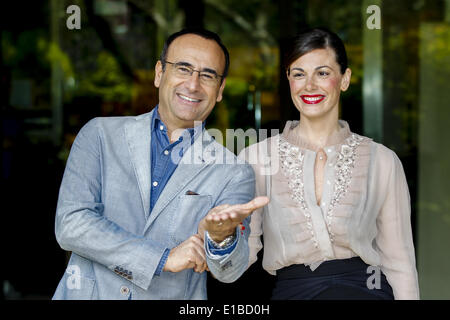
(312, 99)
(188, 99)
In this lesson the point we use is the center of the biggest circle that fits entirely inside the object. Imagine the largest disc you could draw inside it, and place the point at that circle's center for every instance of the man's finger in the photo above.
(250, 206)
(222, 206)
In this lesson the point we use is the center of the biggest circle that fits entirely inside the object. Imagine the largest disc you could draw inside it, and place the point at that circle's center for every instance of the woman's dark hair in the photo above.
(316, 38)
(202, 33)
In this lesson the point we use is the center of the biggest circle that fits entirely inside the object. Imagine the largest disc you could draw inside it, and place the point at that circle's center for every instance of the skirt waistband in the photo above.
(326, 268)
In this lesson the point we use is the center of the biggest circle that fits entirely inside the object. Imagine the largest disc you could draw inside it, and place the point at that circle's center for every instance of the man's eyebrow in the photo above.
(187, 64)
(209, 70)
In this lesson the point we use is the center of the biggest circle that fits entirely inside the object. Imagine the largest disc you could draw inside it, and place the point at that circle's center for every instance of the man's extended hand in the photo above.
(188, 254)
(221, 221)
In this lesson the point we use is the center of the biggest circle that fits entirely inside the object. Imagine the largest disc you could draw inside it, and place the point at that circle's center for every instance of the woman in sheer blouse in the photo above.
(338, 222)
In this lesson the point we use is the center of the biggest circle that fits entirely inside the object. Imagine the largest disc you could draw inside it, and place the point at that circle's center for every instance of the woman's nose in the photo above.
(310, 84)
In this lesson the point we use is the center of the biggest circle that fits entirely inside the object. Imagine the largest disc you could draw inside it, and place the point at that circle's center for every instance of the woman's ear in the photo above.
(345, 82)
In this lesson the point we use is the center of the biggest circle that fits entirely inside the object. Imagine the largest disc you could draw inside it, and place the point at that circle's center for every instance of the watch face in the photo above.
(224, 243)
(227, 241)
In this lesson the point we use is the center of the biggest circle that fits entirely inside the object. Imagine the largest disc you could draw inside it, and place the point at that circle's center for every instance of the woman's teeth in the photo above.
(312, 99)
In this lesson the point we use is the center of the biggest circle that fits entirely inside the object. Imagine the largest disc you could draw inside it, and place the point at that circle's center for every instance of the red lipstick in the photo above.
(312, 98)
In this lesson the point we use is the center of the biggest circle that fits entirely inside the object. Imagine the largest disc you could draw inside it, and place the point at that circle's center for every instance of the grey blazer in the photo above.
(103, 214)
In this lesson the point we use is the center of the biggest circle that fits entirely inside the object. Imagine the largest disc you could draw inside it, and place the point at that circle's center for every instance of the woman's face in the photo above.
(316, 82)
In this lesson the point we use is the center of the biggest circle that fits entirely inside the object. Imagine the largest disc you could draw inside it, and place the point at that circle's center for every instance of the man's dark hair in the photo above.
(202, 33)
(317, 38)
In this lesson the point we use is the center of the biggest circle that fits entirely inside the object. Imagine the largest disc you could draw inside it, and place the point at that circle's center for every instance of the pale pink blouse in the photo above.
(364, 210)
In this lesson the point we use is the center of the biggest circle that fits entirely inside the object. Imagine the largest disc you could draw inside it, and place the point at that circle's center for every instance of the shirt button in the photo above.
(161, 127)
(323, 204)
(329, 150)
(124, 290)
(328, 182)
(166, 152)
(155, 183)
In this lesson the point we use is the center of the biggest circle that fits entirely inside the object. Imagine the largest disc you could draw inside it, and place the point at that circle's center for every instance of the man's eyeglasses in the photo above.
(184, 70)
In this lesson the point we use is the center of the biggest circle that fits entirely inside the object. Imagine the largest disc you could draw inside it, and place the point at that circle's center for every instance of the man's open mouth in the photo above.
(186, 98)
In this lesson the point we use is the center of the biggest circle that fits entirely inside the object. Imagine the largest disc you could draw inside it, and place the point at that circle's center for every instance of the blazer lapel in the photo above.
(138, 138)
(196, 158)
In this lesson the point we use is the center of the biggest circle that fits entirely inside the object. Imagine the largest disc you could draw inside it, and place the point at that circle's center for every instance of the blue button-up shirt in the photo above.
(163, 165)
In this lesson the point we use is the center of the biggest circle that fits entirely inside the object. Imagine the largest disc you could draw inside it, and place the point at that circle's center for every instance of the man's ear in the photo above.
(345, 82)
(158, 73)
(222, 86)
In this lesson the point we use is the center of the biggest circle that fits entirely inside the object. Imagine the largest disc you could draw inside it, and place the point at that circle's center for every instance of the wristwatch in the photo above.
(224, 243)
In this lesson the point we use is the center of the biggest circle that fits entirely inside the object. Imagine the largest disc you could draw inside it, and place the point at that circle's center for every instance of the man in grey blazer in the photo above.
(135, 190)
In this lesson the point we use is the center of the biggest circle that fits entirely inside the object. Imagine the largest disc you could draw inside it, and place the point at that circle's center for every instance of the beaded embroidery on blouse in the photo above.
(291, 158)
(343, 175)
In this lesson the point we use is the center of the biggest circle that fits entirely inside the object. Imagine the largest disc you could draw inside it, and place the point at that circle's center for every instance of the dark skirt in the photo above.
(347, 279)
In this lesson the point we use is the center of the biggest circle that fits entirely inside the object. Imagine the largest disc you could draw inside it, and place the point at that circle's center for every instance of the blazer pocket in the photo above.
(190, 210)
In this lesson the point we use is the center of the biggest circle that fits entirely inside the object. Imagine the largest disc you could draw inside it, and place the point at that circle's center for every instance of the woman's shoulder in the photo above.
(385, 156)
(263, 144)
(259, 152)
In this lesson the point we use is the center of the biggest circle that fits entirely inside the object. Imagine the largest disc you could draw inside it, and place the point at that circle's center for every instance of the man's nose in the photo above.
(193, 82)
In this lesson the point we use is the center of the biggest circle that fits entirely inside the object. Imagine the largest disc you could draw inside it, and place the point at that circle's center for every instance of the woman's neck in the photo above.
(317, 132)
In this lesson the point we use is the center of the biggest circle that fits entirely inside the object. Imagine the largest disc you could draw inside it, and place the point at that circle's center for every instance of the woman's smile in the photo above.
(312, 99)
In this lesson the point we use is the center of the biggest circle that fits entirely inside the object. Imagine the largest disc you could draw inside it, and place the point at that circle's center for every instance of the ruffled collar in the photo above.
(334, 139)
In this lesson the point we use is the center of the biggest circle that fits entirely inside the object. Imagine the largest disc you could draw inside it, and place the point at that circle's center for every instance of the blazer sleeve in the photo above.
(241, 189)
(80, 224)
(394, 239)
(256, 224)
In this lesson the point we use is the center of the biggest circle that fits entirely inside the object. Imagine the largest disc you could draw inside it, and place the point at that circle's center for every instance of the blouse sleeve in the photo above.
(394, 239)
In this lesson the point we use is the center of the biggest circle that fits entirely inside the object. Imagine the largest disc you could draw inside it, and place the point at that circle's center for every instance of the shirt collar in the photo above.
(335, 139)
(157, 123)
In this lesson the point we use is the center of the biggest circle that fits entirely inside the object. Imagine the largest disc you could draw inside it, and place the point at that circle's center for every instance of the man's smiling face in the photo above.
(185, 100)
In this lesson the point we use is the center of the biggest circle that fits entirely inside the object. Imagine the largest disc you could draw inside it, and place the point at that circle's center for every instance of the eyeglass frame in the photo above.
(188, 66)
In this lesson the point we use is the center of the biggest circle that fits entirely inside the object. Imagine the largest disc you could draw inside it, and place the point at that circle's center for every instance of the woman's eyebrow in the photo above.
(324, 67)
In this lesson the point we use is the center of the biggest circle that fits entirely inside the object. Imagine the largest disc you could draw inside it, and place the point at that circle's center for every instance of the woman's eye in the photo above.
(298, 75)
(323, 73)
